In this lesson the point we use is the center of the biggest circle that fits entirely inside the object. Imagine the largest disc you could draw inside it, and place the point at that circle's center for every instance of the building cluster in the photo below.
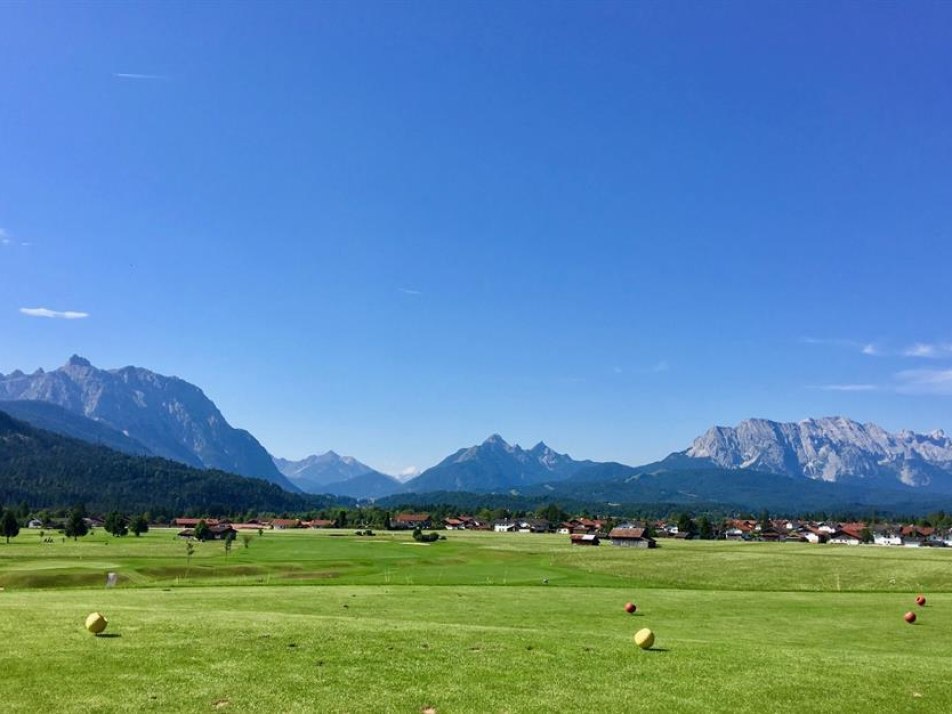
(848, 533)
(591, 531)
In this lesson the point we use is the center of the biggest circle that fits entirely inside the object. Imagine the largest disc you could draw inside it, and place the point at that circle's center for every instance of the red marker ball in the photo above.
(910, 617)
(921, 600)
(630, 607)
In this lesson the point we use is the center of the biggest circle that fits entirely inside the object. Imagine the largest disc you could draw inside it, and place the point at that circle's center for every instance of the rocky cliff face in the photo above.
(168, 415)
(830, 449)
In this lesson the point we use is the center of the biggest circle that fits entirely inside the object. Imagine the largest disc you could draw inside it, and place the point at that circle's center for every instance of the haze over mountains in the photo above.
(831, 459)
(342, 475)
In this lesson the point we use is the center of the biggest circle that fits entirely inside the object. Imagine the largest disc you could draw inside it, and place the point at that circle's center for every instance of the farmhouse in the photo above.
(846, 536)
(319, 523)
(632, 538)
(284, 523)
(219, 531)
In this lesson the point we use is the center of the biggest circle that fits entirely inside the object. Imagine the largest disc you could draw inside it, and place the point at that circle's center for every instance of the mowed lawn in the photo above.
(310, 622)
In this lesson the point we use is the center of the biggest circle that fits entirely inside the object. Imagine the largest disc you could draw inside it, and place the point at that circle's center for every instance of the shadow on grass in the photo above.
(108, 635)
(657, 649)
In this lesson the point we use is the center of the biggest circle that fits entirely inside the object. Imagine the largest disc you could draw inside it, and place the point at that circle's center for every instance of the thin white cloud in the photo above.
(7, 239)
(661, 366)
(407, 473)
(928, 350)
(410, 291)
(60, 314)
(133, 75)
(866, 348)
(925, 381)
(847, 387)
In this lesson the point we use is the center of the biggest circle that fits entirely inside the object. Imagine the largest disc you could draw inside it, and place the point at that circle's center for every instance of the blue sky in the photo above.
(393, 229)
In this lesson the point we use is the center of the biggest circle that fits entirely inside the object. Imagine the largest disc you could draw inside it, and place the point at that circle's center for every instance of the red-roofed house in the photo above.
(407, 521)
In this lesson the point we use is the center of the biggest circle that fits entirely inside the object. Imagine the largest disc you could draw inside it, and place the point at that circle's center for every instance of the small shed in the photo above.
(584, 539)
(632, 538)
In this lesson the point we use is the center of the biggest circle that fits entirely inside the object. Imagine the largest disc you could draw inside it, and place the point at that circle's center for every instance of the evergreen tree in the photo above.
(76, 525)
(202, 531)
(116, 524)
(140, 525)
(9, 525)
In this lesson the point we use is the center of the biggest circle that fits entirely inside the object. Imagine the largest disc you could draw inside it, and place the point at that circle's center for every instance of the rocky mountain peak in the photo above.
(167, 415)
(828, 449)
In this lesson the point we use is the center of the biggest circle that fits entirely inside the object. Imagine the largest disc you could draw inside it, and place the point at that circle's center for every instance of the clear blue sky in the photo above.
(391, 229)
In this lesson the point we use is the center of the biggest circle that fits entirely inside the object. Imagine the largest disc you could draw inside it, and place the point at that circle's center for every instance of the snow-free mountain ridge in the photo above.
(833, 449)
(495, 466)
(342, 475)
(169, 416)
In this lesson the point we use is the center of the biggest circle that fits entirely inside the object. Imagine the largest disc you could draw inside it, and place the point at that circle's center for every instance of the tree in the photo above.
(685, 524)
(704, 528)
(76, 524)
(140, 525)
(229, 539)
(9, 525)
(553, 513)
(116, 524)
(202, 531)
(866, 536)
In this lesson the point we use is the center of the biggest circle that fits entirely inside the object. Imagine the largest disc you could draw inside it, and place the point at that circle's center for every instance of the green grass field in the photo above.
(308, 621)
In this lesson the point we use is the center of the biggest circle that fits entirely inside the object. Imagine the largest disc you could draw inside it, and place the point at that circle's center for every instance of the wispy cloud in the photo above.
(7, 239)
(925, 381)
(866, 348)
(133, 75)
(928, 350)
(59, 314)
(405, 474)
(410, 291)
(847, 387)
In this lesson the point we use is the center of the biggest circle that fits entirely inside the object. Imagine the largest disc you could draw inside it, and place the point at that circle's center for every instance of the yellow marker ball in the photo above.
(96, 623)
(644, 638)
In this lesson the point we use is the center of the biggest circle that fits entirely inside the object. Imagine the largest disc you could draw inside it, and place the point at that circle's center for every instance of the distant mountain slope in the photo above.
(366, 486)
(51, 417)
(47, 470)
(833, 449)
(495, 465)
(169, 416)
(342, 475)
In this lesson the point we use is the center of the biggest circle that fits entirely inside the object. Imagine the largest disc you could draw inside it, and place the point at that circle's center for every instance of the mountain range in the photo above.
(167, 415)
(495, 466)
(830, 459)
(48, 470)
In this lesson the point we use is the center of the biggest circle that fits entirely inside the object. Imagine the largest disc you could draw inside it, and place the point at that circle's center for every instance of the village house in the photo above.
(887, 536)
(846, 536)
(220, 531)
(409, 521)
(319, 523)
(285, 523)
